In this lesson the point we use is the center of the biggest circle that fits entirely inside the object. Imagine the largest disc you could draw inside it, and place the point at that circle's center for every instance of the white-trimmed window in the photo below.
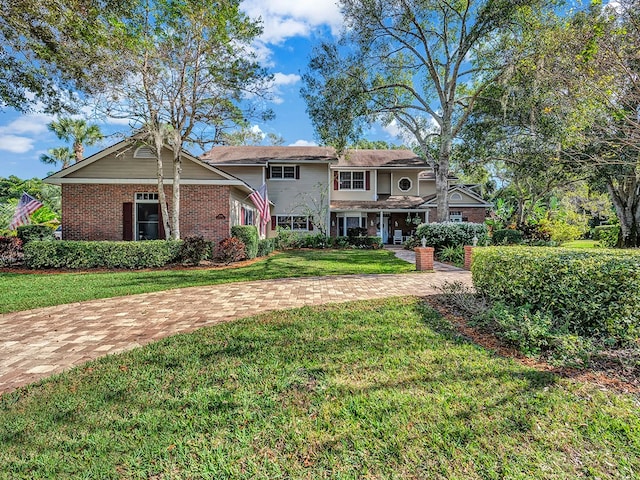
(293, 222)
(455, 197)
(351, 181)
(282, 172)
(147, 216)
(455, 216)
(404, 184)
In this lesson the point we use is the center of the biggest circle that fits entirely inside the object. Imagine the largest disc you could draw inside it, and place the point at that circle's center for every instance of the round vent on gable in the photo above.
(144, 152)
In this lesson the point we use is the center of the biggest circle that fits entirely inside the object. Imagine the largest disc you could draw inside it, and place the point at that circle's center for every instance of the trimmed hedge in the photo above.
(27, 233)
(248, 234)
(507, 237)
(80, 254)
(589, 293)
(607, 235)
(451, 234)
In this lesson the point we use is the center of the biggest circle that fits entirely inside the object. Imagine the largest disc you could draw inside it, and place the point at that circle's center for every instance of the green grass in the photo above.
(581, 244)
(26, 291)
(378, 389)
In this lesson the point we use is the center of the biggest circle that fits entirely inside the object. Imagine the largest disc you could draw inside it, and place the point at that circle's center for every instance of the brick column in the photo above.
(468, 256)
(424, 258)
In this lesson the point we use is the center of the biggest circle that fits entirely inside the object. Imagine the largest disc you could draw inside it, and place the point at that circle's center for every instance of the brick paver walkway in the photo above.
(37, 343)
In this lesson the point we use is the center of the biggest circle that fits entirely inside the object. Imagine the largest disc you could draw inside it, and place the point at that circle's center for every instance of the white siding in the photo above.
(251, 175)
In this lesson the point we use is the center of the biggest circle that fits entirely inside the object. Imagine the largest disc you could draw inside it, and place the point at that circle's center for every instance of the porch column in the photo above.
(382, 226)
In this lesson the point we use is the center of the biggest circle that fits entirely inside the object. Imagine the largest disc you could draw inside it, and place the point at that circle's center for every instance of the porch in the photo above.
(394, 227)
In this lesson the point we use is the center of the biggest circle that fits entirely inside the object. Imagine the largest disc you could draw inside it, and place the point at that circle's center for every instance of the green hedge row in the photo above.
(590, 293)
(248, 234)
(76, 254)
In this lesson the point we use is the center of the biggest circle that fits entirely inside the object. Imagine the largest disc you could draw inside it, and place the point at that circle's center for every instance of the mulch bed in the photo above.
(606, 372)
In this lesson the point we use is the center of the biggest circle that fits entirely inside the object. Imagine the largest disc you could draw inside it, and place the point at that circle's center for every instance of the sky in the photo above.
(291, 29)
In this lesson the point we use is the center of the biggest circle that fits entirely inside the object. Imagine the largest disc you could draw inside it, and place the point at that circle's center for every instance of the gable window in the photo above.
(351, 180)
(404, 184)
(455, 216)
(455, 196)
(282, 172)
(293, 222)
(147, 218)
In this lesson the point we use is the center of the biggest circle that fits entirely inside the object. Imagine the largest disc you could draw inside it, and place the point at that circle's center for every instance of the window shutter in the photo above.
(242, 213)
(273, 223)
(367, 180)
(310, 225)
(161, 232)
(127, 221)
(268, 172)
(297, 172)
(335, 180)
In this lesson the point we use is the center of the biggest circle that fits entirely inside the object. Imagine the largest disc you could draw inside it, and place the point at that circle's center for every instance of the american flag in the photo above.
(261, 200)
(26, 206)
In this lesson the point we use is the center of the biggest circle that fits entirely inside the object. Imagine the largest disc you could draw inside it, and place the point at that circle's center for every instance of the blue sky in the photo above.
(291, 29)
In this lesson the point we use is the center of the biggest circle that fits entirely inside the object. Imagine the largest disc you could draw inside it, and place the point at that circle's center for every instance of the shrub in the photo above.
(10, 250)
(453, 255)
(288, 239)
(507, 236)
(565, 232)
(366, 243)
(266, 246)
(529, 331)
(193, 250)
(230, 250)
(589, 293)
(356, 232)
(315, 241)
(247, 234)
(27, 233)
(79, 254)
(607, 235)
(451, 234)
(341, 242)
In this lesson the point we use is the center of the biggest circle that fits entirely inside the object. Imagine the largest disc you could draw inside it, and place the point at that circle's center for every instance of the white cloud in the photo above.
(34, 124)
(303, 143)
(285, 78)
(15, 143)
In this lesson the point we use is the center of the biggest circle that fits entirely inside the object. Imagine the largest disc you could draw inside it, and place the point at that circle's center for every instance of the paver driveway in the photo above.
(37, 343)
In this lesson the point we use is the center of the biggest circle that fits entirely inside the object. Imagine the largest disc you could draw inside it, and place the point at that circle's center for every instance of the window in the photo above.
(455, 216)
(248, 215)
(455, 196)
(282, 172)
(404, 184)
(293, 222)
(147, 216)
(351, 181)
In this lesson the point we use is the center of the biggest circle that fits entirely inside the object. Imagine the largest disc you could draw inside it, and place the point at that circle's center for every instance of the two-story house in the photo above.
(112, 195)
(388, 192)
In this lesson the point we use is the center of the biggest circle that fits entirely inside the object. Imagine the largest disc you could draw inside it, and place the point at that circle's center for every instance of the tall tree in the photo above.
(420, 63)
(78, 132)
(192, 76)
(48, 47)
(61, 155)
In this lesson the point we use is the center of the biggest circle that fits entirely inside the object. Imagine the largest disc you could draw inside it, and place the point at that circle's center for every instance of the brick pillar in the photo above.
(424, 258)
(468, 256)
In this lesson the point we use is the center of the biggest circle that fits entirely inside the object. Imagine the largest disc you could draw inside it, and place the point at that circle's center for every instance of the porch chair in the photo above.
(397, 237)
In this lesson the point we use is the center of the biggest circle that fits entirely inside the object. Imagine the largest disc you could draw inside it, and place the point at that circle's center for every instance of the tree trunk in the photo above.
(162, 197)
(626, 200)
(78, 151)
(442, 170)
(177, 172)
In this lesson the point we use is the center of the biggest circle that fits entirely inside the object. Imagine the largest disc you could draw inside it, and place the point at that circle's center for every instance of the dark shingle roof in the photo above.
(381, 158)
(244, 155)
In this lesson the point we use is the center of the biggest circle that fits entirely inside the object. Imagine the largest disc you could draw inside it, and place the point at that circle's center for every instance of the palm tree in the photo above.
(58, 155)
(78, 133)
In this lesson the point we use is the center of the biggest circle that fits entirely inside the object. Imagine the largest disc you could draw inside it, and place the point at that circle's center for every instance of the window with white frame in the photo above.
(405, 184)
(455, 216)
(351, 181)
(455, 196)
(282, 172)
(147, 216)
(293, 222)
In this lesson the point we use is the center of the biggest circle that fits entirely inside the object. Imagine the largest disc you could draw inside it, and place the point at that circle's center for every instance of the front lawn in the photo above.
(378, 389)
(25, 291)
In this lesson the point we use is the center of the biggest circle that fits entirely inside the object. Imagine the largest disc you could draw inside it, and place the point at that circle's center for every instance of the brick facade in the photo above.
(94, 211)
(469, 214)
